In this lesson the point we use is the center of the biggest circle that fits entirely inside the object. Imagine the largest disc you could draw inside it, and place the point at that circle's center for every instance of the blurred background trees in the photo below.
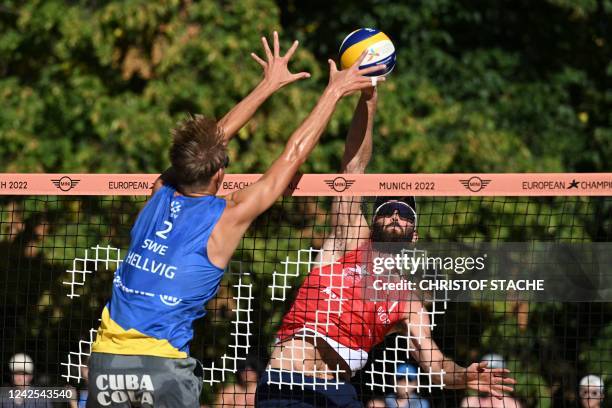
(505, 86)
(509, 86)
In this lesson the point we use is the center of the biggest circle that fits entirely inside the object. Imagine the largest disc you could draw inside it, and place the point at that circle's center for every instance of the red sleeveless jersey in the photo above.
(332, 301)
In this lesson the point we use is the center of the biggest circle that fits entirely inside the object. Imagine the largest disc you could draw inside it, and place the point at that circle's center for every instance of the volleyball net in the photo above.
(63, 236)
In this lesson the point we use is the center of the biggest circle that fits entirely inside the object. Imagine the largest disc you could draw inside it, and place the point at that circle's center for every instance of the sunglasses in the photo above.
(593, 393)
(227, 161)
(390, 207)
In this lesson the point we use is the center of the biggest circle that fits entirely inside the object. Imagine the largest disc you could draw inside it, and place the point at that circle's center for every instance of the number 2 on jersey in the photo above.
(163, 234)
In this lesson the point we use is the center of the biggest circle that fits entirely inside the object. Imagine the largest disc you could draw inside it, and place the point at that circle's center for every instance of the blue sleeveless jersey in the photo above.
(166, 279)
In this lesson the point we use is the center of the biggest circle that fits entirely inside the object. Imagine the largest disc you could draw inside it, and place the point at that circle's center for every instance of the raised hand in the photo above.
(492, 381)
(352, 79)
(276, 72)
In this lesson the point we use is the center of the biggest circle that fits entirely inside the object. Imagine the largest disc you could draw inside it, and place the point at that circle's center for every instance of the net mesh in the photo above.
(58, 255)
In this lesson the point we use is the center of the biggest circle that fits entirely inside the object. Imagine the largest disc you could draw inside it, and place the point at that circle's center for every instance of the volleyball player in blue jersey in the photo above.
(184, 238)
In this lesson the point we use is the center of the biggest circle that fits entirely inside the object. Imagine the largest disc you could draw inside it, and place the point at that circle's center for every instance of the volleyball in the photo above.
(380, 50)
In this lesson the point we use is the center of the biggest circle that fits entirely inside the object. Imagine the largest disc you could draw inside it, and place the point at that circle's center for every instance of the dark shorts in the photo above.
(143, 381)
(312, 393)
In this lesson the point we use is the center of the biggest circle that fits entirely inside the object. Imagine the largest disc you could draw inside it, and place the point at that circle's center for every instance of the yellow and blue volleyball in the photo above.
(380, 50)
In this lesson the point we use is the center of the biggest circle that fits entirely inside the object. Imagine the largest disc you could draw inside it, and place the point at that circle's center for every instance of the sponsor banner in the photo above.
(509, 184)
(76, 184)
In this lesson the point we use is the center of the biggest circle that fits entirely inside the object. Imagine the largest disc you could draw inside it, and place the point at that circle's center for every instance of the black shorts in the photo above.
(311, 393)
(117, 380)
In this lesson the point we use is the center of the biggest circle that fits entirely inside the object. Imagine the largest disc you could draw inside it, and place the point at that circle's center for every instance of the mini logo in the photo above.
(339, 184)
(65, 183)
(475, 184)
(573, 184)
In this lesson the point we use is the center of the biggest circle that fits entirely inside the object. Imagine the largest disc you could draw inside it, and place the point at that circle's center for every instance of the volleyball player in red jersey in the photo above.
(334, 321)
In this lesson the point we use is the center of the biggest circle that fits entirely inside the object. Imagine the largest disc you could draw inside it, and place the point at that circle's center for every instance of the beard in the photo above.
(381, 237)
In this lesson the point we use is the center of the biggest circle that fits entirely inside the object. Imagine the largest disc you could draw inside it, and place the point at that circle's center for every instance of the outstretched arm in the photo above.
(426, 352)
(276, 75)
(349, 227)
(245, 205)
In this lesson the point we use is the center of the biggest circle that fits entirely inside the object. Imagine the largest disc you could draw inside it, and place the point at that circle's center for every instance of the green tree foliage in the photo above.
(96, 87)
(505, 86)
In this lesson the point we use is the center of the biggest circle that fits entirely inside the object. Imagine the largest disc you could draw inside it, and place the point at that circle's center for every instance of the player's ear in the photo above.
(217, 179)
(415, 237)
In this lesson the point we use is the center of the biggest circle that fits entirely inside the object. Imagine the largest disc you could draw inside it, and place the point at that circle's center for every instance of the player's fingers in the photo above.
(332, 66)
(360, 84)
(376, 80)
(496, 394)
(504, 378)
(258, 60)
(301, 75)
(291, 50)
(503, 381)
(267, 50)
(499, 385)
(360, 59)
(368, 81)
(483, 364)
(499, 394)
(371, 70)
(276, 45)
